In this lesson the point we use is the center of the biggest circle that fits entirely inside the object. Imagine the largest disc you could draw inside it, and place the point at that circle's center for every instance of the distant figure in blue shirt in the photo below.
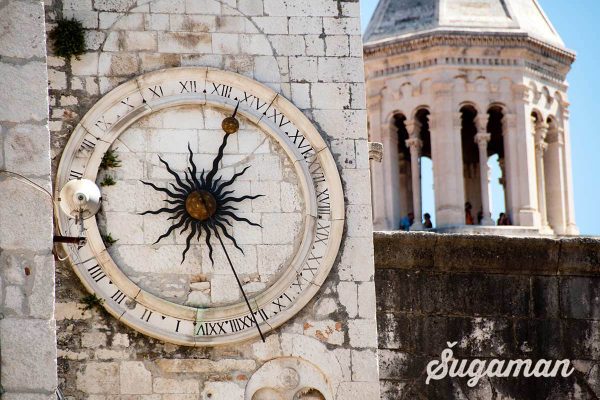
(407, 221)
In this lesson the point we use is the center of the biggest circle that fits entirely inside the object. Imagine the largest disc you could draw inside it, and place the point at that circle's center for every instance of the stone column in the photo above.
(508, 166)
(568, 174)
(482, 139)
(541, 130)
(446, 154)
(415, 144)
(521, 167)
(555, 189)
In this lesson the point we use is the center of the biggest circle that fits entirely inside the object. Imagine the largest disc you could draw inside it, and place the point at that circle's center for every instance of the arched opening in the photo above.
(426, 169)
(498, 201)
(470, 155)
(404, 166)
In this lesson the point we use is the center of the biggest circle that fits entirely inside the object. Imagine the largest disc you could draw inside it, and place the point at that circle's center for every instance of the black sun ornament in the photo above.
(201, 203)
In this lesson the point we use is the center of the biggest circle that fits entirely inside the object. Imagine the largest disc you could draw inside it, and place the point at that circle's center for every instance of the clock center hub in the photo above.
(201, 205)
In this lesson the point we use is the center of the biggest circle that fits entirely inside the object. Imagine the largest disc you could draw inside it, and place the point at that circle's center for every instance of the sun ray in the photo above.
(171, 229)
(232, 180)
(161, 210)
(240, 199)
(240, 219)
(164, 190)
(228, 236)
(188, 242)
(175, 174)
(216, 161)
(207, 239)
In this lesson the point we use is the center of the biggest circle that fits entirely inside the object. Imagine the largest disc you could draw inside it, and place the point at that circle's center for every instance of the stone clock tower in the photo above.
(232, 255)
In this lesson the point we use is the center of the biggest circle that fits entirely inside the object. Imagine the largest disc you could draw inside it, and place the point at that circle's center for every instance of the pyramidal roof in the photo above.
(395, 19)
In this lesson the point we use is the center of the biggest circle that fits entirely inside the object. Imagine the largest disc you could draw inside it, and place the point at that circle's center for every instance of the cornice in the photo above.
(427, 40)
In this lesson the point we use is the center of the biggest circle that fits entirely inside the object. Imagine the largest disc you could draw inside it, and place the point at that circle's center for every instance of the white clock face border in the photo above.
(276, 117)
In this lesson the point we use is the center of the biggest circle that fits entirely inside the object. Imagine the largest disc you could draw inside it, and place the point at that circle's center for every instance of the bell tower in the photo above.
(469, 84)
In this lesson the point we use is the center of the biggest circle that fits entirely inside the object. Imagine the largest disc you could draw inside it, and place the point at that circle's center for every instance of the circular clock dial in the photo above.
(222, 207)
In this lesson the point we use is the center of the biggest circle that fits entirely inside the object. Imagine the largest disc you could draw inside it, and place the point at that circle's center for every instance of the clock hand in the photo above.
(230, 125)
(239, 283)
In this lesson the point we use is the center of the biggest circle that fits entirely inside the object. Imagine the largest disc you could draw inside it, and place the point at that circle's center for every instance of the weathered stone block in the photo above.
(489, 254)
(580, 297)
(537, 339)
(165, 385)
(20, 143)
(180, 42)
(21, 223)
(99, 378)
(114, 5)
(358, 332)
(32, 103)
(580, 256)
(135, 378)
(28, 355)
(222, 391)
(22, 27)
(40, 298)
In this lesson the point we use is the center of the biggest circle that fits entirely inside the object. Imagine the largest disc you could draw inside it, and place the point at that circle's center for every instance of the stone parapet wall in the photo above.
(498, 297)
(27, 327)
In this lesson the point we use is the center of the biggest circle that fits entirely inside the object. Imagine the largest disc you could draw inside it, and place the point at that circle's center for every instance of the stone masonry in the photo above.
(505, 298)
(316, 62)
(27, 326)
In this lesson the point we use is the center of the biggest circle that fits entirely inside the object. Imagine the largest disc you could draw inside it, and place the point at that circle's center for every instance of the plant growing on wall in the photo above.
(108, 181)
(67, 38)
(108, 240)
(110, 160)
(90, 301)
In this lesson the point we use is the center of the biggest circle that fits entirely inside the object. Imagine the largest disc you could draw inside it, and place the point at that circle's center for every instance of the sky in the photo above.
(577, 22)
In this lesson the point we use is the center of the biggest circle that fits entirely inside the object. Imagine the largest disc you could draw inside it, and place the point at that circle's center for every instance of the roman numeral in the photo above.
(177, 326)
(212, 328)
(188, 86)
(282, 120)
(250, 99)
(126, 102)
(157, 91)
(146, 315)
(75, 174)
(96, 273)
(87, 145)
(316, 171)
(323, 204)
(280, 303)
(322, 232)
(102, 124)
(298, 282)
(221, 90)
(299, 141)
(262, 314)
(118, 296)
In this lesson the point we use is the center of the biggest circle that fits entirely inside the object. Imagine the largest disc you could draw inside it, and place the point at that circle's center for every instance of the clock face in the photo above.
(222, 207)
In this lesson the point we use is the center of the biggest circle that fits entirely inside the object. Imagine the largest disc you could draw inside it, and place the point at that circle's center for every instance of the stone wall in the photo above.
(498, 297)
(27, 327)
(316, 62)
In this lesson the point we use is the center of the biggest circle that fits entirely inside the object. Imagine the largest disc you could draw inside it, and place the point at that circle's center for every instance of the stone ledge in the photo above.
(489, 254)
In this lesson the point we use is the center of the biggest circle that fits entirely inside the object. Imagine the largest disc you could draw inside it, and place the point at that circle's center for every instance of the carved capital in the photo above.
(481, 122)
(414, 143)
(482, 139)
(413, 127)
(375, 151)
